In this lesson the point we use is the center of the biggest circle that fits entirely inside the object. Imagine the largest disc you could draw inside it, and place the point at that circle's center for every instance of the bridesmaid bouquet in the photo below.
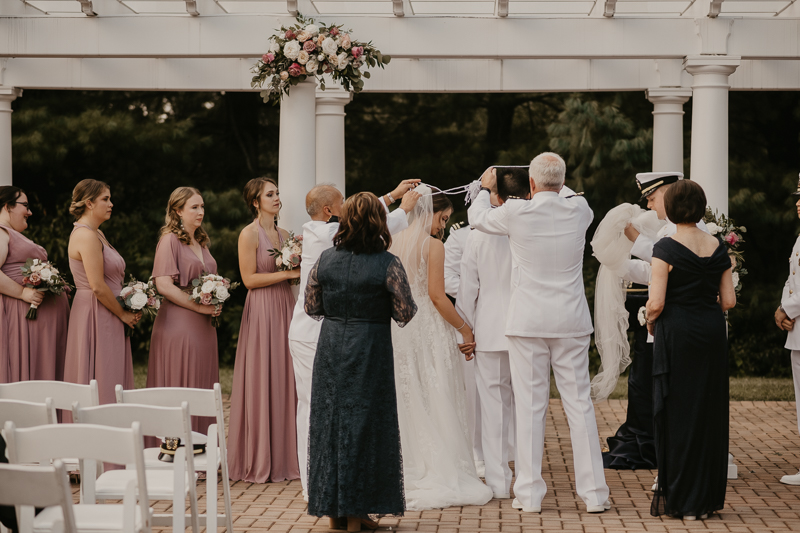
(211, 289)
(731, 234)
(138, 296)
(289, 257)
(44, 277)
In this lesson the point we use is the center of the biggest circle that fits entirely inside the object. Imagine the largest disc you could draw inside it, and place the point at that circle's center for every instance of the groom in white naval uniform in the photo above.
(484, 293)
(548, 324)
(323, 204)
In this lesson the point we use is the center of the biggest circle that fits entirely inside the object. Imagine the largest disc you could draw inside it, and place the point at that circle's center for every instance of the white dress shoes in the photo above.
(517, 505)
(598, 508)
(791, 480)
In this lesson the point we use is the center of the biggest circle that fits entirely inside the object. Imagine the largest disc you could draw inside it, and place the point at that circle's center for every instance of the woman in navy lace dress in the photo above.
(691, 287)
(355, 463)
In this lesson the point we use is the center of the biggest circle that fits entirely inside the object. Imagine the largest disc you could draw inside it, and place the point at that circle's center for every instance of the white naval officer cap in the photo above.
(648, 182)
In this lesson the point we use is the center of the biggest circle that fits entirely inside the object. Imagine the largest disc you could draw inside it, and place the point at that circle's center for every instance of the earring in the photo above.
(181, 222)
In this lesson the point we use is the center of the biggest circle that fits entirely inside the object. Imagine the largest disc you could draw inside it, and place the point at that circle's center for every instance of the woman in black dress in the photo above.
(355, 463)
(691, 287)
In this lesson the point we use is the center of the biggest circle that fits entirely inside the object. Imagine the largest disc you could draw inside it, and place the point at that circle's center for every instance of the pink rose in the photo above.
(26, 281)
(334, 31)
(296, 69)
(36, 279)
(151, 302)
(289, 35)
(205, 298)
(357, 51)
(299, 238)
(294, 259)
(345, 41)
(309, 46)
(226, 283)
(731, 238)
(268, 58)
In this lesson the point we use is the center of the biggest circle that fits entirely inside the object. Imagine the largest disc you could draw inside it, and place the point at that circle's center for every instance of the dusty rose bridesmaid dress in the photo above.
(262, 435)
(96, 344)
(31, 349)
(183, 348)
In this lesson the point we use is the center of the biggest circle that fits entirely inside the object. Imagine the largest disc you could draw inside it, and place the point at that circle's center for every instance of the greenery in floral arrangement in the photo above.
(308, 50)
(731, 234)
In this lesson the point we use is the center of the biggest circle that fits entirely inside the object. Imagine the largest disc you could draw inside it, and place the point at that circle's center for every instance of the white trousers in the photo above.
(530, 361)
(493, 377)
(796, 376)
(303, 354)
(473, 408)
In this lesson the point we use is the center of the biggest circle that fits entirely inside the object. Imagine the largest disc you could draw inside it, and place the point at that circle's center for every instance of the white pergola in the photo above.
(671, 49)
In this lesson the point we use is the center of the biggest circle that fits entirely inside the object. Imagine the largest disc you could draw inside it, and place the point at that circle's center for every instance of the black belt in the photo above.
(354, 320)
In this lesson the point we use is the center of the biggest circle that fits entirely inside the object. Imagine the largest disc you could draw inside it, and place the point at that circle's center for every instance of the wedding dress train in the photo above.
(438, 467)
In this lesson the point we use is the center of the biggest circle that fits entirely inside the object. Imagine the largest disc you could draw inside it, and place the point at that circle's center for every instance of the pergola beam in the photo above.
(86, 8)
(715, 8)
(502, 8)
(610, 8)
(397, 8)
(291, 7)
(191, 8)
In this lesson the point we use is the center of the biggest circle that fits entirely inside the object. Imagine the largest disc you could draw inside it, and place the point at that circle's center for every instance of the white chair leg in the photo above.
(211, 481)
(129, 507)
(179, 496)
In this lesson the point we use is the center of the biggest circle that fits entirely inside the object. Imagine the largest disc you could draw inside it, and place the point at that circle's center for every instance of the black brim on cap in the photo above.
(651, 187)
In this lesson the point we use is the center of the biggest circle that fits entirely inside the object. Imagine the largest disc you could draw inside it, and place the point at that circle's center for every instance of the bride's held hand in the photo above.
(409, 201)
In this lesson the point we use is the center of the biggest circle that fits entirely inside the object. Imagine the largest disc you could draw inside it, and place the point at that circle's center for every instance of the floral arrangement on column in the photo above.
(307, 49)
(724, 228)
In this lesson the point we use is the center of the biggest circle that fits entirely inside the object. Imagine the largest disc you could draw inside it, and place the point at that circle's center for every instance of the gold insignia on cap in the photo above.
(639, 184)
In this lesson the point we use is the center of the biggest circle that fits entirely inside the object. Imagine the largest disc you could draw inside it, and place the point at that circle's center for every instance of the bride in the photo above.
(438, 466)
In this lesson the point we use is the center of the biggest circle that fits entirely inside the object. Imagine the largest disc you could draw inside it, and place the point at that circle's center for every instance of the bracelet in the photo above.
(462, 326)
(389, 196)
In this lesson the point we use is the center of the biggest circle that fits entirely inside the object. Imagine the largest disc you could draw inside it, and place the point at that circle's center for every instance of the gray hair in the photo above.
(548, 171)
(320, 196)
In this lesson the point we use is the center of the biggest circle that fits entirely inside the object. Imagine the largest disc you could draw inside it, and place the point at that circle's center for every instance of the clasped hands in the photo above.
(783, 321)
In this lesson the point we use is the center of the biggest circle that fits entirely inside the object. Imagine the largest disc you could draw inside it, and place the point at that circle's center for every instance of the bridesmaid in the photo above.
(183, 349)
(97, 347)
(32, 349)
(262, 439)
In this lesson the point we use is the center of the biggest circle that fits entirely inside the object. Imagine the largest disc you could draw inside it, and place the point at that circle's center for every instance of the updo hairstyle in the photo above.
(252, 192)
(172, 221)
(9, 195)
(362, 226)
(87, 190)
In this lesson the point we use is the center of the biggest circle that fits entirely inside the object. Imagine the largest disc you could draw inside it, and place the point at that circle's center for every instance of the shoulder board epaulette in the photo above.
(574, 195)
(458, 225)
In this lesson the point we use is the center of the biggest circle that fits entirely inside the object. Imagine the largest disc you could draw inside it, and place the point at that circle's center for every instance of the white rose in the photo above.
(735, 279)
(329, 47)
(312, 65)
(642, 316)
(333, 61)
(125, 292)
(196, 293)
(37, 267)
(713, 229)
(207, 287)
(274, 47)
(344, 60)
(313, 29)
(286, 261)
(35, 261)
(222, 293)
(291, 50)
(302, 57)
(278, 261)
(138, 301)
(54, 271)
(321, 58)
(45, 273)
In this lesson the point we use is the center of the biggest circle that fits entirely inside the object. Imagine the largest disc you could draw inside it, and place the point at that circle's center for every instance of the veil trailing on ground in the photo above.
(613, 249)
(412, 244)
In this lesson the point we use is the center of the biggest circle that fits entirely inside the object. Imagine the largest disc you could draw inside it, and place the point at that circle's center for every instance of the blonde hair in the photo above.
(86, 190)
(172, 221)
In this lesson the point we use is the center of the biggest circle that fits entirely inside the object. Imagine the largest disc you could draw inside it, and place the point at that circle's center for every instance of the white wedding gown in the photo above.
(438, 467)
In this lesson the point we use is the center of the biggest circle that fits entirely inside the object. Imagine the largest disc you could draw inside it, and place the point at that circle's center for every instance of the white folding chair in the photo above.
(90, 444)
(26, 414)
(28, 486)
(63, 394)
(202, 402)
(162, 484)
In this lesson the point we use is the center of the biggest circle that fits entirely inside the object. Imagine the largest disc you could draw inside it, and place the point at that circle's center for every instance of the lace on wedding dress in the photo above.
(439, 469)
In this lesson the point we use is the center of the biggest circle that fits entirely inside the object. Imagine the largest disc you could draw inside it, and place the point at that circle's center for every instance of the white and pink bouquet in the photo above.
(138, 296)
(308, 50)
(44, 277)
(732, 236)
(211, 289)
(288, 257)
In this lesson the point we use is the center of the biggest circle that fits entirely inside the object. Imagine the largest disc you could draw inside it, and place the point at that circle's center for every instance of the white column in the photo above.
(710, 87)
(330, 135)
(668, 127)
(297, 154)
(7, 95)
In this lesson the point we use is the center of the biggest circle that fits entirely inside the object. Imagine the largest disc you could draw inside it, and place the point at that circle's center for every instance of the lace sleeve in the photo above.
(314, 306)
(403, 306)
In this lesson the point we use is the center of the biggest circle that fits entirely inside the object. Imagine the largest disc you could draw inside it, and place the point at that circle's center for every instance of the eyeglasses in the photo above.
(23, 203)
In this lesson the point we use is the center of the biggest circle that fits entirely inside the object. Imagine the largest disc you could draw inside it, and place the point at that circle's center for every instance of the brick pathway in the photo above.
(764, 442)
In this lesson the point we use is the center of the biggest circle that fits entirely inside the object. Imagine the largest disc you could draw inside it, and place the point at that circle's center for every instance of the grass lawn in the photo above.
(742, 389)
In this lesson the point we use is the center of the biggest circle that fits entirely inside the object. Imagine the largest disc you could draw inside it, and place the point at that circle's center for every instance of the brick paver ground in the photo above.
(764, 442)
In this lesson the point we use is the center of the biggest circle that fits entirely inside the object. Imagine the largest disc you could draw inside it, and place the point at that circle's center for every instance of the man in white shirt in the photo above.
(323, 204)
(483, 297)
(548, 324)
